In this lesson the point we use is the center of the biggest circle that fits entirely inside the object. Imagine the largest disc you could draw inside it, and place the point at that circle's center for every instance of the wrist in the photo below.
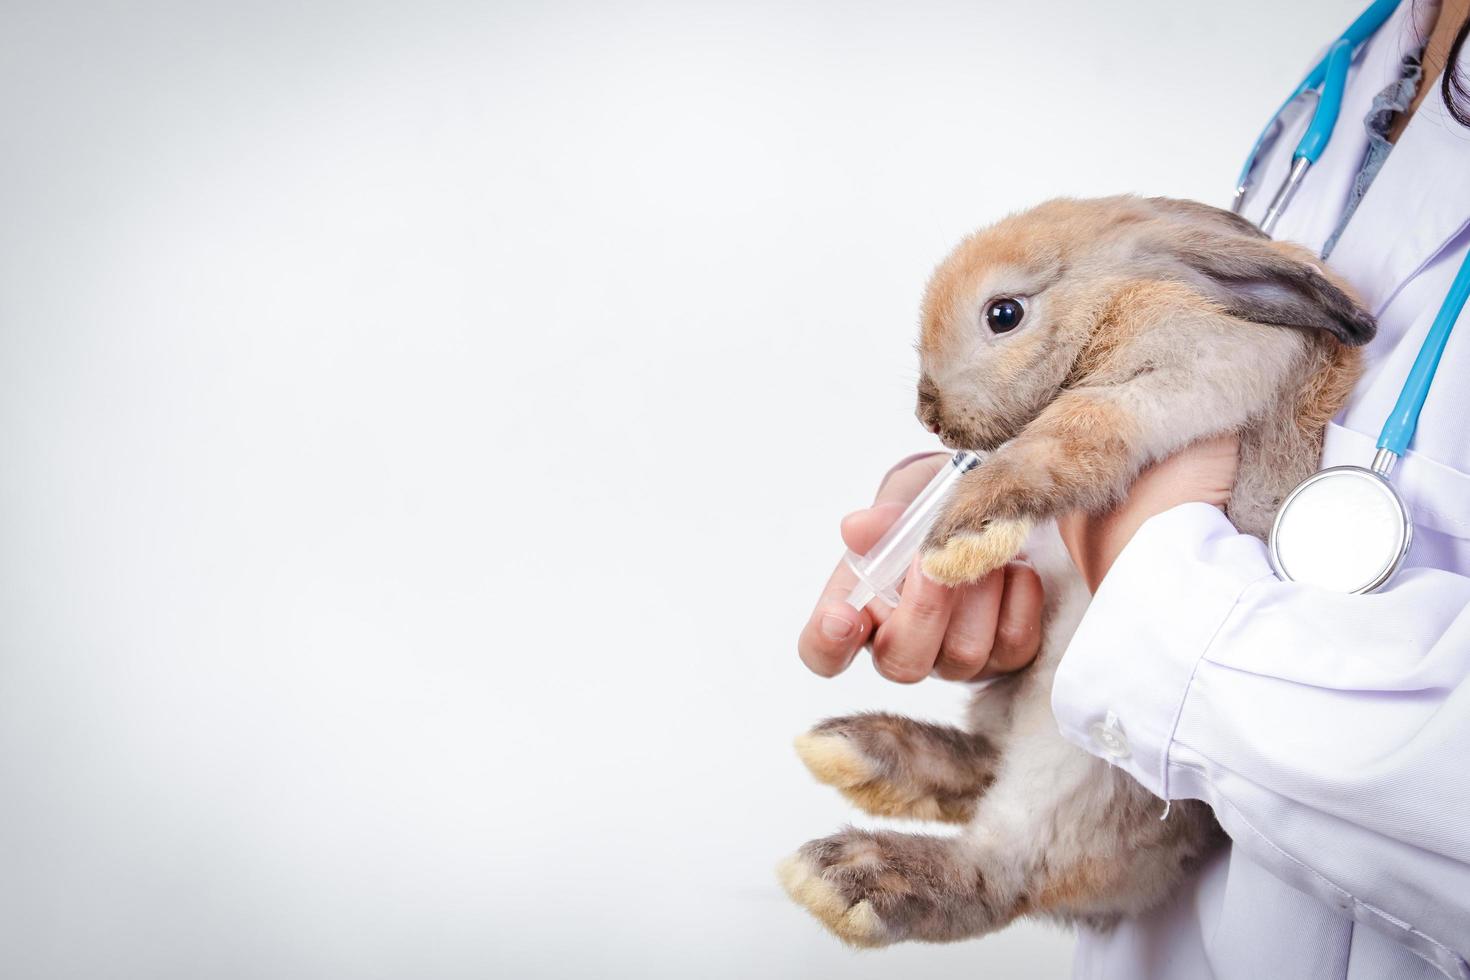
(1202, 473)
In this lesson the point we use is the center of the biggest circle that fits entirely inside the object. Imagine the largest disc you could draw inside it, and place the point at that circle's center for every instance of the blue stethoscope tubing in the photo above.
(1401, 422)
(1398, 429)
(1331, 74)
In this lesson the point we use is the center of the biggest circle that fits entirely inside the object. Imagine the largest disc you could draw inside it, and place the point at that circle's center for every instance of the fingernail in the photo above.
(835, 627)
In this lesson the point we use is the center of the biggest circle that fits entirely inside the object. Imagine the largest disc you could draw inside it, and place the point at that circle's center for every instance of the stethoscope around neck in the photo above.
(1346, 528)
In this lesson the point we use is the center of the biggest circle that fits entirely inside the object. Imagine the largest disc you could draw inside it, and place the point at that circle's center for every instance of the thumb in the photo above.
(862, 528)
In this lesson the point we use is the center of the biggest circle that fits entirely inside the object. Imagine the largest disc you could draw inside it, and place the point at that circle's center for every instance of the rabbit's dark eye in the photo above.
(1004, 314)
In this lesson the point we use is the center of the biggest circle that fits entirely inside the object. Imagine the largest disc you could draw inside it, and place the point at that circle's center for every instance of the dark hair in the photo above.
(1452, 84)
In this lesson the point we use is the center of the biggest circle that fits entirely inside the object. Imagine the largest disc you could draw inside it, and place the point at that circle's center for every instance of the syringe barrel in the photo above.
(881, 570)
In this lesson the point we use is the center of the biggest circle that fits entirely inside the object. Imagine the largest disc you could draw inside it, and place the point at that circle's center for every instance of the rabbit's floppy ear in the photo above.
(1268, 282)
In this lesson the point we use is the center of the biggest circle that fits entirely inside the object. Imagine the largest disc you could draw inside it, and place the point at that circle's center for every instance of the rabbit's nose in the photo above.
(927, 410)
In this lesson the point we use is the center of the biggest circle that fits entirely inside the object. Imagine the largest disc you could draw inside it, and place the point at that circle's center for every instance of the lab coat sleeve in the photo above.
(1329, 733)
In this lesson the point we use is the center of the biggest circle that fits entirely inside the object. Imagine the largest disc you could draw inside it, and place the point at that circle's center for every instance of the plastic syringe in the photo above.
(880, 572)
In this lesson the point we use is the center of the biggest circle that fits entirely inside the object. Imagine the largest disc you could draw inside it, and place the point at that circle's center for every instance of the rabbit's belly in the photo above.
(1067, 813)
(1045, 785)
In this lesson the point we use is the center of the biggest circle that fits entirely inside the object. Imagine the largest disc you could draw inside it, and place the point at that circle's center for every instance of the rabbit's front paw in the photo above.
(873, 888)
(967, 556)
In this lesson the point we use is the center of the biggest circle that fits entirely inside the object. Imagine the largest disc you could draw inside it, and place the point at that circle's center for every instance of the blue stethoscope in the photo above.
(1346, 528)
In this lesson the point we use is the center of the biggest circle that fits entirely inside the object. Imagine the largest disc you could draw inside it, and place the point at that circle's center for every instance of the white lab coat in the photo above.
(1331, 734)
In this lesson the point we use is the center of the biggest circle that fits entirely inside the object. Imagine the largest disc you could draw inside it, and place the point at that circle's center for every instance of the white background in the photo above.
(423, 428)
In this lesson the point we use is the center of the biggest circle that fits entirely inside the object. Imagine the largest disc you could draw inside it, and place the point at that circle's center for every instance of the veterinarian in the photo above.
(1330, 733)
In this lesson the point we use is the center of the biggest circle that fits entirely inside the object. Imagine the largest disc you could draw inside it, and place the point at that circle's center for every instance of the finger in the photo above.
(860, 532)
(967, 642)
(1018, 625)
(906, 646)
(835, 631)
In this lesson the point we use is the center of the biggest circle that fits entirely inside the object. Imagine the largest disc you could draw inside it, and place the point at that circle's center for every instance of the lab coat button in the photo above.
(1108, 736)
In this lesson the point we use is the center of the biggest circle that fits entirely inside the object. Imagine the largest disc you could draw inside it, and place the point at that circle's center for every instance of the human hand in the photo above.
(1203, 472)
(967, 633)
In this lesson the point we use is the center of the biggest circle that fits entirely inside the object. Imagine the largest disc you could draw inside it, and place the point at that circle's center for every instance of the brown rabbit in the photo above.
(1076, 342)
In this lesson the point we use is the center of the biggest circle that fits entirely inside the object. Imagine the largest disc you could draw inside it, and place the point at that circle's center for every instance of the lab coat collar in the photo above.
(1418, 204)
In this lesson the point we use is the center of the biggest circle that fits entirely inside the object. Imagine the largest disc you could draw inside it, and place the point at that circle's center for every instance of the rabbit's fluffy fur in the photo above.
(1148, 324)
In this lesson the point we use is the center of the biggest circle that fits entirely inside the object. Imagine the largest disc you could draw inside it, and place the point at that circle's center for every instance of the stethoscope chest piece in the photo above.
(1344, 528)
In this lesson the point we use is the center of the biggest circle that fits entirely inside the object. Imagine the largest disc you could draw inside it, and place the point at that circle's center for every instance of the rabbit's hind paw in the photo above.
(893, 766)
(873, 888)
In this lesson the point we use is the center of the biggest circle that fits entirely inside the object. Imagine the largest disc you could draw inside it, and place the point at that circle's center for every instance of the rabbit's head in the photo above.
(1019, 310)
